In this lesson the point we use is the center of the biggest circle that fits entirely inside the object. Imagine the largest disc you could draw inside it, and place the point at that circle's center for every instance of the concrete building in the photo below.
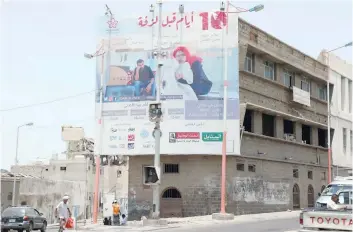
(42, 194)
(283, 162)
(340, 78)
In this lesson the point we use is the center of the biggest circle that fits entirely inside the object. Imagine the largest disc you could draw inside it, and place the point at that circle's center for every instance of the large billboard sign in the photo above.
(191, 84)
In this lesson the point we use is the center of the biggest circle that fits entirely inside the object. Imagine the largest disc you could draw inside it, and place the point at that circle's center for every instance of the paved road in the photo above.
(281, 225)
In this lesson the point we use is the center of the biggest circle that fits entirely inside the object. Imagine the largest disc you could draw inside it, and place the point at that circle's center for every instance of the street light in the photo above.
(225, 8)
(329, 151)
(16, 160)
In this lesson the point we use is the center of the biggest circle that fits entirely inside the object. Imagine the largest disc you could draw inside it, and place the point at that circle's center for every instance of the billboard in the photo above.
(191, 83)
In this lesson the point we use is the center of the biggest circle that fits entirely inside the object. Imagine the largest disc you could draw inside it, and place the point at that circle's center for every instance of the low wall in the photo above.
(45, 195)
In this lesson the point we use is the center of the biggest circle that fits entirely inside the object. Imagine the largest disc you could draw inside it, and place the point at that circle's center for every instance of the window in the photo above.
(296, 173)
(288, 78)
(305, 85)
(306, 134)
(350, 96)
(268, 125)
(248, 121)
(343, 94)
(240, 167)
(62, 168)
(250, 63)
(322, 92)
(269, 70)
(323, 176)
(344, 139)
(171, 168)
(252, 168)
(322, 136)
(288, 127)
(9, 196)
(310, 175)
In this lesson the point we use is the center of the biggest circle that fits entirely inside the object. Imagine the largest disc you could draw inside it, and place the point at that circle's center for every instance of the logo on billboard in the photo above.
(148, 145)
(114, 130)
(174, 136)
(131, 138)
(131, 146)
(131, 129)
(112, 138)
(212, 136)
(122, 146)
(144, 134)
(113, 146)
(112, 23)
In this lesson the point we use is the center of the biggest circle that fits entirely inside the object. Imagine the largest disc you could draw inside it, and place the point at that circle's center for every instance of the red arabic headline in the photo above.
(216, 20)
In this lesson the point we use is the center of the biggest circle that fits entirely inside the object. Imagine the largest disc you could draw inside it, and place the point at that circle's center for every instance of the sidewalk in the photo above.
(187, 221)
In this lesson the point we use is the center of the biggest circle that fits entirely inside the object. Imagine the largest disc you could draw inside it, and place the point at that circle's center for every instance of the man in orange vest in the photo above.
(116, 213)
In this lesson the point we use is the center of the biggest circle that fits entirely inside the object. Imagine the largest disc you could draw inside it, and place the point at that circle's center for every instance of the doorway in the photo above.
(296, 197)
(311, 196)
(171, 203)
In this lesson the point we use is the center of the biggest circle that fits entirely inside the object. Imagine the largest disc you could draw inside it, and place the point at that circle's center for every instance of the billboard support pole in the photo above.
(225, 98)
(99, 146)
(157, 131)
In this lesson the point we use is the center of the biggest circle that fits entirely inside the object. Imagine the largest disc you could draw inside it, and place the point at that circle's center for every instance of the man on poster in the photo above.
(143, 79)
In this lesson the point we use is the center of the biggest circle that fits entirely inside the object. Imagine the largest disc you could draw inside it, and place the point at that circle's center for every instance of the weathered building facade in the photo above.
(283, 162)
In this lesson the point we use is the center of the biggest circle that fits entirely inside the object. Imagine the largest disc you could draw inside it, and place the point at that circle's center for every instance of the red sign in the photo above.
(187, 135)
(333, 221)
(131, 137)
(216, 20)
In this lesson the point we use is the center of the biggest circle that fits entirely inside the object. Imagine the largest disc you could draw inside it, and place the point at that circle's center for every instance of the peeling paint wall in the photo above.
(255, 189)
(44, 195)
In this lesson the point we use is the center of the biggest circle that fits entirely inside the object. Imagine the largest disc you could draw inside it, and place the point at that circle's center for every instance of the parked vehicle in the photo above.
(314, 219)
(22, 218)
(338, 185)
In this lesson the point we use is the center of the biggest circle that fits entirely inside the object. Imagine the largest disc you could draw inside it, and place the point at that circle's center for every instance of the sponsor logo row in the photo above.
(175, 137)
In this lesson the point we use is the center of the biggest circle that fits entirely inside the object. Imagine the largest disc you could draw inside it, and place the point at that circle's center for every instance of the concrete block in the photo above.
(223, 216)
(154, 222)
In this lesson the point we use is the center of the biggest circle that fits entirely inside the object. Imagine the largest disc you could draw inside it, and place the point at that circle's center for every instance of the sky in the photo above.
(43, 42)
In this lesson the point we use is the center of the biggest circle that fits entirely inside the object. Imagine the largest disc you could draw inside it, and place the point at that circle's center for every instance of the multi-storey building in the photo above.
(283, 162)
(340, 78)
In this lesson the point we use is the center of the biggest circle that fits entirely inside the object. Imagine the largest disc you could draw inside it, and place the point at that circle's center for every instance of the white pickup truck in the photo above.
(329, 220)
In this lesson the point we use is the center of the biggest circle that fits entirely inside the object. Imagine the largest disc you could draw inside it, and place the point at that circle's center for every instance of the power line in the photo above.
(47, 102)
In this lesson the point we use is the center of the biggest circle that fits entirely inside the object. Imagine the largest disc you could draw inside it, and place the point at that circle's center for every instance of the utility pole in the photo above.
(181, 11)
(16, 162)
(157, 131)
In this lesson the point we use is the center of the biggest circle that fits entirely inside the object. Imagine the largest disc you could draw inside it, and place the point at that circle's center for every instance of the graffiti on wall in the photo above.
(257, 190)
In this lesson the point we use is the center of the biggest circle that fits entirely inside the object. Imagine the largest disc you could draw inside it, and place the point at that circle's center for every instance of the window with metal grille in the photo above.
(310, 175)
(171, 168)
(171, 193)
(252, 168)
(322, 92)
(240, 167)
(305, 85)
(288, 78)
(249, 64)
(269, 70)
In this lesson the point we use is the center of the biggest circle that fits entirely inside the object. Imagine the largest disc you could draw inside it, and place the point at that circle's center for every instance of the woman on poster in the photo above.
(178, 77)
(200, 84)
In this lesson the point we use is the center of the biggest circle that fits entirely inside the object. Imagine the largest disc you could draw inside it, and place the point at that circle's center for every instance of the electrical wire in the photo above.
(47, 102)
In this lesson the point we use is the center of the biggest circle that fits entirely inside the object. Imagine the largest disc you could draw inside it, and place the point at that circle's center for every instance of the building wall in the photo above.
(341, 113)
(44, 195)
(7, 191)
(266, 190)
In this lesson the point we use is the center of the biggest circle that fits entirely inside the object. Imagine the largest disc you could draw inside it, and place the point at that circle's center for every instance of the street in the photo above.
(278, 225)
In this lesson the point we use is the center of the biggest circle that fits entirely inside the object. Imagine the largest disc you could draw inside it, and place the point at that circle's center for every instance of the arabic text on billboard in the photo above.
(191, 84)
